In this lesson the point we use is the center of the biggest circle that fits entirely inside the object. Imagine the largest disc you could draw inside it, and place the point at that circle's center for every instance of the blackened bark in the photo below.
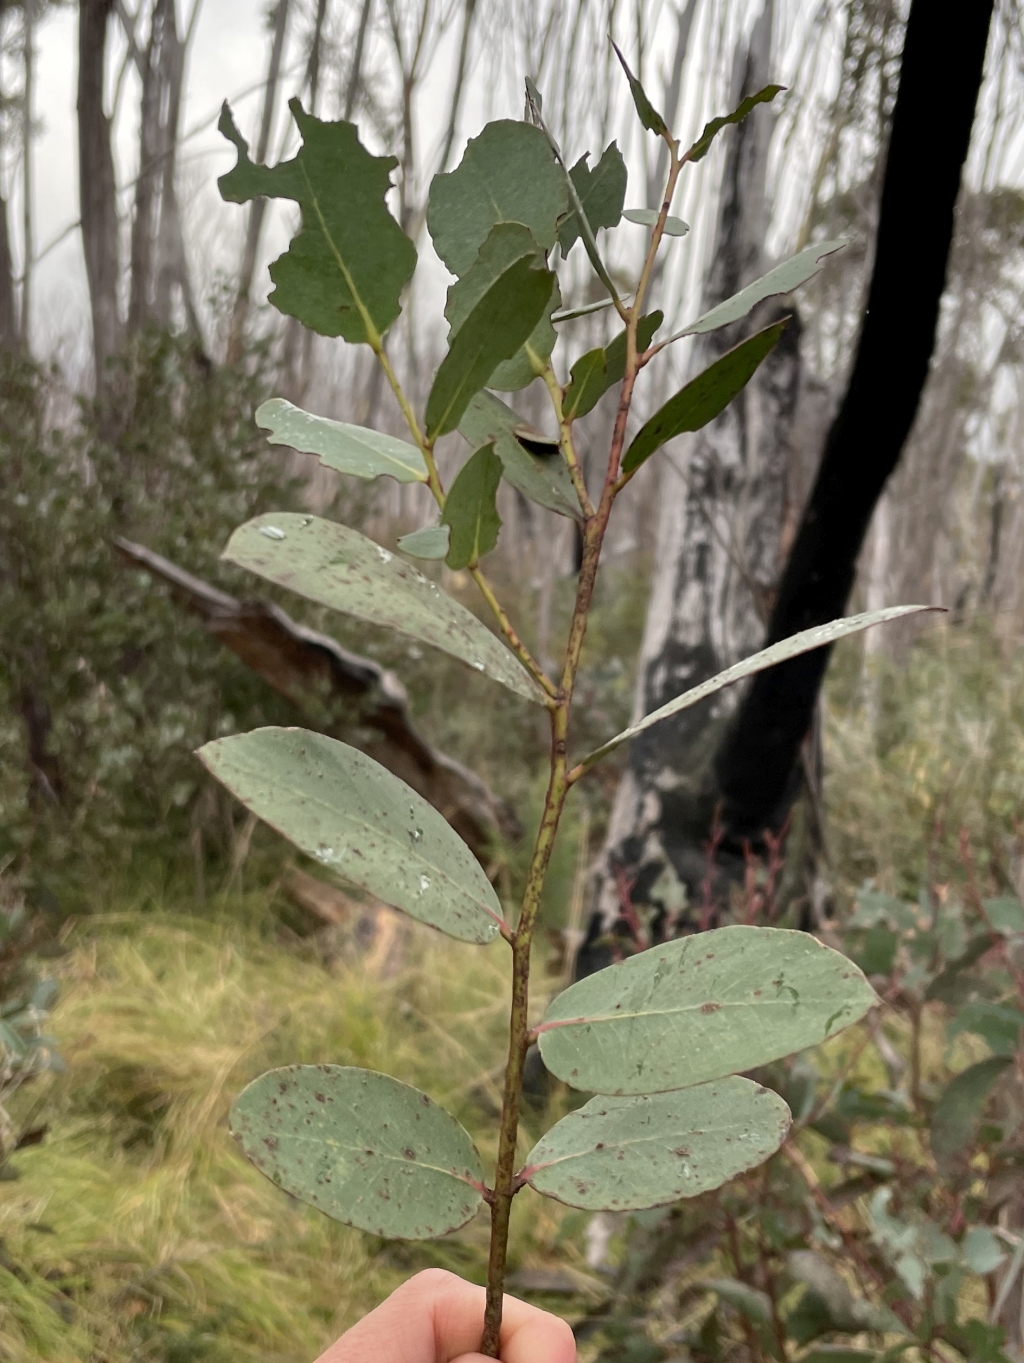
(940, 77)
(97, 188)
(8, 311)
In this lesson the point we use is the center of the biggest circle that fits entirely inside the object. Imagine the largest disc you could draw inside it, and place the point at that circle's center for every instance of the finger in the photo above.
(436, 1317)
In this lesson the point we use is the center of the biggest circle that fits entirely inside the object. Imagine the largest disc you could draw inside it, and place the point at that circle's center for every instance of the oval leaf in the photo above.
(470, 511)
(961, 1104)
(349, 449)
(704, 397)
(361, 1147)
(354, 816)
(699, 1008)
(601, 192)
(337, 567)
(431, 542)
(543, 478)
(508, 174)
(343, 275)
(494, 330)
(804, 642)
(623, 1154)
(647, 217)
(783, 279)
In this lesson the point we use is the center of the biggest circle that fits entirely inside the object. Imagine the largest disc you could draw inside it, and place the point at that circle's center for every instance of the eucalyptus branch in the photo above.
(566, 441)
(511, 634)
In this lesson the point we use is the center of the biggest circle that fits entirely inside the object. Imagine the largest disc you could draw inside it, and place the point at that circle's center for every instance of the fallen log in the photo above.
(342, 694)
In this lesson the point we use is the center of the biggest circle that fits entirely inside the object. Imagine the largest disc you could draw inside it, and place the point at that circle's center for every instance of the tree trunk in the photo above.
(928, 145)
(9, 335)
(97, 188)
(28, 235)
(724, 514)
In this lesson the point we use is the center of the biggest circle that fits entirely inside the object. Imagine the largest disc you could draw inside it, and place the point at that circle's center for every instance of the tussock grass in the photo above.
(137, 1231)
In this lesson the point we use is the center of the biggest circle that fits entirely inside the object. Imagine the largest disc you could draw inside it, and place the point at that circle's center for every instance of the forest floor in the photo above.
(136, 1232)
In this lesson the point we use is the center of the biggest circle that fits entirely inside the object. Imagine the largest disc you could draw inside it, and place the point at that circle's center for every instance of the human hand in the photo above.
(437, 1318)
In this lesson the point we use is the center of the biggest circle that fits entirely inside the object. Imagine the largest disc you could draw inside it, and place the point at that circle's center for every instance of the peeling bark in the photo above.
(361, 702)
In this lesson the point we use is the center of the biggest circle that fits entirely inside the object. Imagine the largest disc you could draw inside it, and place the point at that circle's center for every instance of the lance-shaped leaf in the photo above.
(431, 542)
(344, 273)
(598, 370)
(506, 243)
(494, 330)
(704, 397)
(783, 279)
(804, 642)
(711, 130)
(357, 818)
(469, 509)
(602, 192)
(361, 1147)
(648, 114)
(508, 174)
(623, 1154)
(647, 217)
(544, 478)
(349, 449)
(699, 1008)
(961, 1104)
(337, 567)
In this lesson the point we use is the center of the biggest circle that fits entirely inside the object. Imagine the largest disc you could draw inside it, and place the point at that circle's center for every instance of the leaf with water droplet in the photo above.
(361, 1147)
(699, 1008)
(273, 532)
(338, 567)
(624, 1154)
(339, 806)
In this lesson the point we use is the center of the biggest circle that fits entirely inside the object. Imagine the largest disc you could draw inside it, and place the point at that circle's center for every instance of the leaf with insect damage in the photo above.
(601, 191)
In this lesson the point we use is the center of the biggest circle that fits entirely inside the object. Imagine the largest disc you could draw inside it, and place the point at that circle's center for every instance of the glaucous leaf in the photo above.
(544, 478)
(981, 1251)
(494, 330)
(699, 1008)
(749, 1301)
(999, 1024)
(704, 397)
(597, 371)
(431, 542)
(508, 174)
(711, 130)
(1005, 915)
(623, 1154)
(961, 1104)
(338, 567)
(647, 217)
(357, 818)
(361, 1147)
(344, 273)
(349, 449)
(783, 279)
(648, 114)
(470, 511)
(601, 191)
(506, 243)
(804, 642)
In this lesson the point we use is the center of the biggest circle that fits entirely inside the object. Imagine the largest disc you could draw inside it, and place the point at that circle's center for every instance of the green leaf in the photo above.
(874, 908)
(602, 192)
(749, 1301)
(712, 129)
(961, 1104)
(621, 1154)
(698, 1008)
(649, 115)
(349, 449)
(544, 478)
(783, 279)
(508, 174)
(829, 1304)
(598, 370)
(469, 509)
(704, 397)
(647, 217)
(506, 243)
(362, 1148)
(981, 1251)
(1006, 915)
(804, 642)
(354, 816)
(344, 273)
(952, 984)
(494, 330)
(430, 542)
(337, 567)
(999, 1024)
